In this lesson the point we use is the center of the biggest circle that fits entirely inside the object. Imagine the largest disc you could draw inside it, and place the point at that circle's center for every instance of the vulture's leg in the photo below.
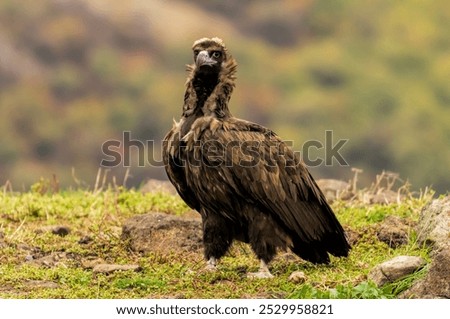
(263, 271)
(264, 240)
(217, 238)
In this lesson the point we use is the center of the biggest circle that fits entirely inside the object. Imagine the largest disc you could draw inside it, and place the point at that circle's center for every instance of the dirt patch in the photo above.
(394, 231)
(159, 232)
(352, 235)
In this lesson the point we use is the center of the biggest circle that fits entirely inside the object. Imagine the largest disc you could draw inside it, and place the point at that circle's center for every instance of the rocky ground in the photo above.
(160, 232)
(166, 234)
(434, 231)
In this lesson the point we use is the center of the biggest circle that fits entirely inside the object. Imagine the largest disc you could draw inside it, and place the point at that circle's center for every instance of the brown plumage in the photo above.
(246, 183)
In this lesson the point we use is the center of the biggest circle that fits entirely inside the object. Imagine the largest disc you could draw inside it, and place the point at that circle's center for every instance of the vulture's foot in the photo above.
(211, 265)
(263, 272)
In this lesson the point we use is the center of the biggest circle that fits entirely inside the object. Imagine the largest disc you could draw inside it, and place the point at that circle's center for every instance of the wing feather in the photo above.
(174, 166)
(250, 165)
(277, 182)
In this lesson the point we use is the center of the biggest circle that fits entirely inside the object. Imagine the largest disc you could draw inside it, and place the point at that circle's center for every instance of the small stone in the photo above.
(395, 269)
(85, 240)
(297, 277)
(55, 259)
(91, 262)
(42, 284)
(56, 230)
(110, 268)
(61, 230)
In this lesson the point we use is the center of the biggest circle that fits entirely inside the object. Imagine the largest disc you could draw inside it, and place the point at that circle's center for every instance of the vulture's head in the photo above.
(211, 57)
(211, 78)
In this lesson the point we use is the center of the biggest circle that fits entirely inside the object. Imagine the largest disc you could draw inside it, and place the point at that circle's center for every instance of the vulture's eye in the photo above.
(216, 54)
(196, 52)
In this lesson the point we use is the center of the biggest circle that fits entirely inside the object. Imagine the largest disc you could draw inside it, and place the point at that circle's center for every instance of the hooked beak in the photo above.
(204, 59)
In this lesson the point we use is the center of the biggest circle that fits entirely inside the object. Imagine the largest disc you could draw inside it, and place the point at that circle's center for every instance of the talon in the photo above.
(211, 267)
(211, 264)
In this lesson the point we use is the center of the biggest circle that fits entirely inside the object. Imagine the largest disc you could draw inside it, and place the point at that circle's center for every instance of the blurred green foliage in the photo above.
(73, 76)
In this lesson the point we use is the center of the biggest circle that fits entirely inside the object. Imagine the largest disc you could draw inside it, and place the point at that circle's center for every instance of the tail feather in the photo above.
(317, 252)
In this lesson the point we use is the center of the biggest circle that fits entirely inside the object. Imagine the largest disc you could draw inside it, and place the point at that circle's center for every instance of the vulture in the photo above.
(246, 183)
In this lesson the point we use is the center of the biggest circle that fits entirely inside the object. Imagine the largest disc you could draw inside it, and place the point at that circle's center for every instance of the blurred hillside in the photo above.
(74, 74)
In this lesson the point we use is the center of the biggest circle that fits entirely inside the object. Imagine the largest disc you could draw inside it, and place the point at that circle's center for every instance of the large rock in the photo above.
(436, 284)
(434, 224)
(395, 269)
(434, 230)
(159, 232)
